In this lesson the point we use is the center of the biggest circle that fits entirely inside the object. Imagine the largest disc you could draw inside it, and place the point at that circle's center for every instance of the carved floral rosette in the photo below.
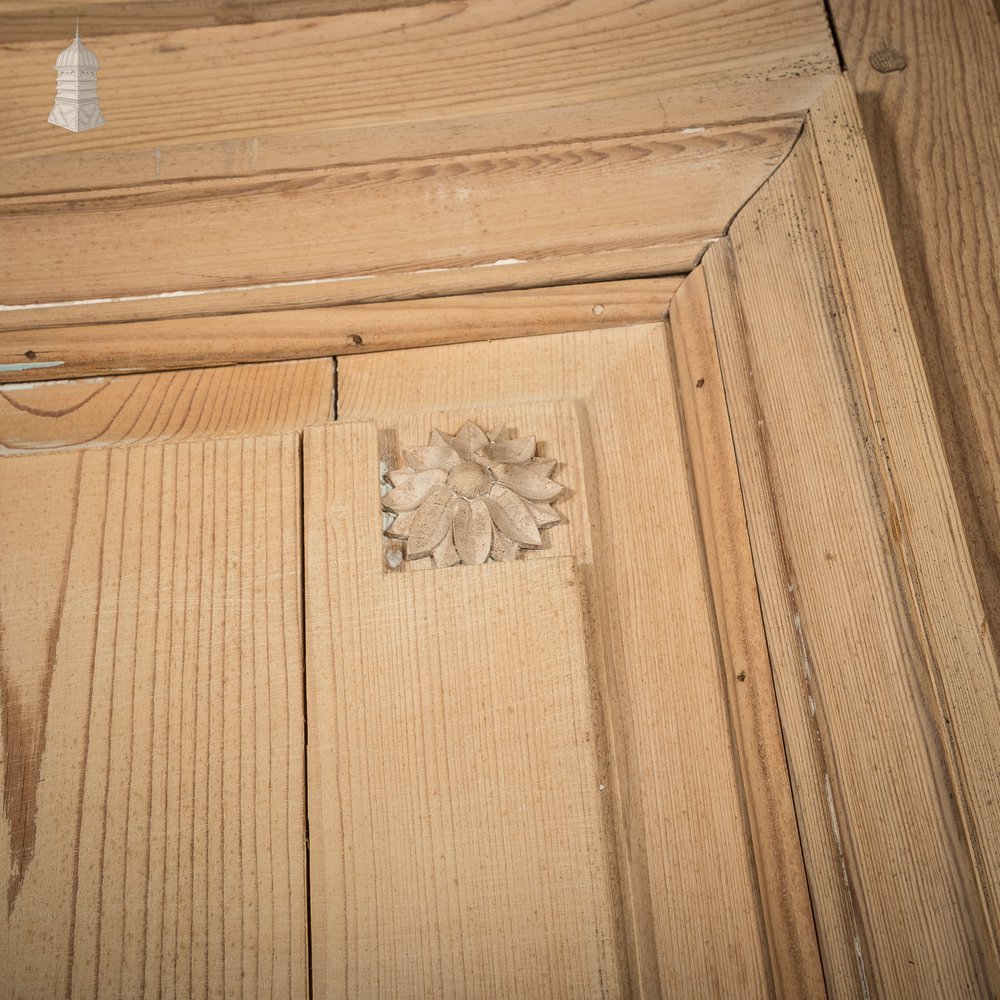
(472, 497)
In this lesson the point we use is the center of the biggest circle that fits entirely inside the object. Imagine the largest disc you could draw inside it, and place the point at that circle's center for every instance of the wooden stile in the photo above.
(886, 680)
(781, 876)
(941, 185)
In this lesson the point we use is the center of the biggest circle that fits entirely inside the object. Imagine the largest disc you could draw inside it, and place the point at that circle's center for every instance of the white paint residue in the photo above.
(24, 366)
(836, 829)
(806, 670)
(183, 293)
(14, 386)
(188, 292)
(861, 967)
(691, 131)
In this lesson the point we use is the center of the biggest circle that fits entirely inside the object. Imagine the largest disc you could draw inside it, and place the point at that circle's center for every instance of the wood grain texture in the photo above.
(688, 882)
(791, 931)
(886, 680)
(426, 62)
(457, 826)
(421, 149)
(139, 409)
(152, 834)
(932, 129)
(116, 347)
(388, 230)
(26, 22)
(356, 145)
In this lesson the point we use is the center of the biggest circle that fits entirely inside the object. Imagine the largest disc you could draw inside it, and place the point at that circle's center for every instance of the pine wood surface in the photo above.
(885, 674)
(390, 230)
(24, 21)
(788, 918)
(424, 63)
(932, 129)
(377, 154)
(114, 347)
(152, 836)
(458, 841)
(139, 409)
(689, 887)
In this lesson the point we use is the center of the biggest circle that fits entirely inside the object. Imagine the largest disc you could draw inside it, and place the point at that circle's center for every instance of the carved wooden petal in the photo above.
(399, 476)
(518, 450)
(469, 440)
(511, 515)
(432, 456)
(431, 523)
(411, 494)
(544, 466)
(543, 513)
(400, 527)
(499, 433)
(473, 530)
(446, 554)
(526, 482)
(503, 549)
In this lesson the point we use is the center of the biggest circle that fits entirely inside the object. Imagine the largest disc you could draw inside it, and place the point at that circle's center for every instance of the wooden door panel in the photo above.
(458, 836)
(690, 893)
(152, 835)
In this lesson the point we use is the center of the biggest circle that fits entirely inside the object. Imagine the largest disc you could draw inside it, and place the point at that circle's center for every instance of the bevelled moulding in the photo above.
(472, 497)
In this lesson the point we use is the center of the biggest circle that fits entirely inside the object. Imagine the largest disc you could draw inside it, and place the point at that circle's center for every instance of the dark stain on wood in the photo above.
(24, 720)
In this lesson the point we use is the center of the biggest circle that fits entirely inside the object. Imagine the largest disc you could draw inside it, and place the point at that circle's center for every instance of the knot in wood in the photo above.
(887, 60)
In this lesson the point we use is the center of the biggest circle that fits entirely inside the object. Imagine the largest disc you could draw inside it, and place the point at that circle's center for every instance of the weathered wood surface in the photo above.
(457, 781)
(426, 63)
(113, 347)
(386, 154)
(785, 904)
(689, 885)
(141, 409)
(933, 133)
(25, 21)
(400, 228)
(152, 831)
(885, 674)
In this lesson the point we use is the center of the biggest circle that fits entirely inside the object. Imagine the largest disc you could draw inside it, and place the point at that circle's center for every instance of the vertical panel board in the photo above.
(152, 824)
(457, 817)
